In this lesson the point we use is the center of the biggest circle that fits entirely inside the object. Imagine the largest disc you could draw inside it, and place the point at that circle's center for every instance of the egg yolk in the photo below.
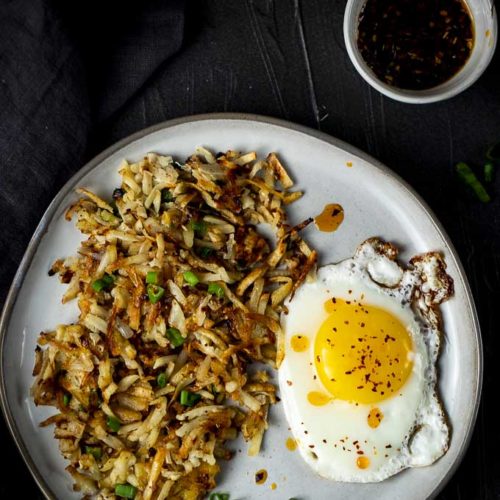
(362, 353)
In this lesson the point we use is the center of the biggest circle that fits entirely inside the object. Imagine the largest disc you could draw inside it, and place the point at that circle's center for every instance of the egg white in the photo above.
(413, 431)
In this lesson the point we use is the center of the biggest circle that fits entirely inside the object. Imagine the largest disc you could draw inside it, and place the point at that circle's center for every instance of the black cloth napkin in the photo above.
(66, 69)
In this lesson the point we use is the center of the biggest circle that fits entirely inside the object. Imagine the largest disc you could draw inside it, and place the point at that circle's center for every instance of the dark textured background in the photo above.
(68, 96)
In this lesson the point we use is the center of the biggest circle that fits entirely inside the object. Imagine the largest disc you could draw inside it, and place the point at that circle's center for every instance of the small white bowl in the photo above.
(485, 29)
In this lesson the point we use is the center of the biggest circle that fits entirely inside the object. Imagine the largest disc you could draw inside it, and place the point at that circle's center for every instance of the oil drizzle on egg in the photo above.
(291, 444)
(299, 343)
(363, 462)
(375, 417)
(330, 219)
(261, 476)
(318, 398)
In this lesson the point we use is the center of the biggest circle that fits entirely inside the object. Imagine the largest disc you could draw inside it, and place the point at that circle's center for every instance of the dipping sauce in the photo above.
(415, 44)
(330, 219)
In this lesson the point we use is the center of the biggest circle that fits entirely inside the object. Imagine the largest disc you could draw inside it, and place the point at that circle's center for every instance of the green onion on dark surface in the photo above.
(493, 153)
(161, 380)
(66, 399)
(468, 177)
(489, 171)
(155, 293)
(175, 337)
(216, 289)
(125, 490)
(188, 398)
(152, 278)
(95, 451)
(190, 278)
(105, 283)
(113, 423)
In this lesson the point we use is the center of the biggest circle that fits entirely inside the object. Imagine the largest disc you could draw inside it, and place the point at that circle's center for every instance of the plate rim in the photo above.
(49, 214)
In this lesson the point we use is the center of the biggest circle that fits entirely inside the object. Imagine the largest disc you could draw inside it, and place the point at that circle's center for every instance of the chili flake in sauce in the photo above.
(415, 44)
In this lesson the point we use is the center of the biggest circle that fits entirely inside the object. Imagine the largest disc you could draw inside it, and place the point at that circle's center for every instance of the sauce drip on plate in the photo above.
(330, 219)
(415, 44)
(261, 476)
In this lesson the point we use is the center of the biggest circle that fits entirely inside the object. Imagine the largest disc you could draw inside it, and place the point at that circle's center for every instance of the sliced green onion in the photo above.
(175, 337)
(205, 252)
(161, 380)
(216, 289)
(105, 283)
(106, 216)
(493, 152)
(166, 196)
(66, 399)
(489, 171)
(199, 227)
(189, 398)
(190, 278)
(155, 293)
(469, 177)
(219, 496)
(125, 490)
(113, 423)
(152, 278)
(95, 451)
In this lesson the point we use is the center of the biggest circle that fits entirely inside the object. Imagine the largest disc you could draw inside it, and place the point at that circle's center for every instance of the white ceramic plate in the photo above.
(376, 203)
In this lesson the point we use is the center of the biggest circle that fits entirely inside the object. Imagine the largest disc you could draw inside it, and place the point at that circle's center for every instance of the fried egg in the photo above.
(358, 381)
